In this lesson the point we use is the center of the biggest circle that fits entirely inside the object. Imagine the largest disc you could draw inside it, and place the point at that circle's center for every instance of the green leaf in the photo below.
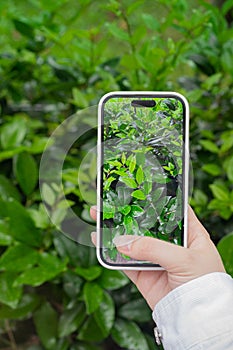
(212, 169)
(220, 192)
(48, 195)
(46, 322)
(209, 146)
(108, 210)
(128, 335)
(136, 210)
(135, 310)
(21, 226)
(200, 197)
(105, 314)
(112, 280)
(128, 181)
(93, 296)
(132, 164)
(225, 248)
(25, 307)
(49, 266)
(18, 258)
(156, 194)
(71, 319)
(26, 172)
(9, 295)
(90, 331)
(139, 175)
(13, 133)
(24, 28)
(139, 194)
(89, 273)
(8, 190)
(125, 210)
(230, 169)
(123, 158)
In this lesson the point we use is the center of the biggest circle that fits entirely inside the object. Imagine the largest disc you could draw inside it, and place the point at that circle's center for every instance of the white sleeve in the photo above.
(197, 315)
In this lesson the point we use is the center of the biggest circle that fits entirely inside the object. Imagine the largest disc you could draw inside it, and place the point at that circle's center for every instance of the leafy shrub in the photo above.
(57, 57)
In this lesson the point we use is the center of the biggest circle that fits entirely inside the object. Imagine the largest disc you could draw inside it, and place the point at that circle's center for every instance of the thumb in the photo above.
(166, 254)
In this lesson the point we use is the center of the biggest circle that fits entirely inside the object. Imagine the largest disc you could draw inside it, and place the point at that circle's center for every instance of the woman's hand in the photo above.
(181, 264)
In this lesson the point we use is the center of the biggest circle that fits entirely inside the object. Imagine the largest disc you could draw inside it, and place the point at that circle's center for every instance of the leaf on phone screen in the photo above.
(139, 175)
(139, 194)
(128, 181)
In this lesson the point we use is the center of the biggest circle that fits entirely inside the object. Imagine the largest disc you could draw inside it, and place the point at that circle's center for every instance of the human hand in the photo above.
(181, 264)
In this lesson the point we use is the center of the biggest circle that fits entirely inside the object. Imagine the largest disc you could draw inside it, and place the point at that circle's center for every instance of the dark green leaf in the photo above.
(93, 296)
(46, 322)
(9, 295)
(89, 273)
(105, 314)
(125, 210)
(225, 248)
(25, 307)
(7, 189)
(90, 331)
(26, 172)
(71, 319)
(21, 226)
(112, 279)
(135, 310)
(24, 28)
(128, 335)
(49, 266)
(18, 258)
(13, 133)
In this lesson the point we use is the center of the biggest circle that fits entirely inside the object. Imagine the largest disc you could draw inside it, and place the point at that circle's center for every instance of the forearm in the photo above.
(198, 314)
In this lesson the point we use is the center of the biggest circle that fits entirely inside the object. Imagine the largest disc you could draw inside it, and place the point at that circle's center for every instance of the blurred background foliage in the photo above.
(57, 57)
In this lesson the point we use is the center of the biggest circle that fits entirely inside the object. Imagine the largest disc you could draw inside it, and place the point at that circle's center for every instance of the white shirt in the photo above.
(197, 315)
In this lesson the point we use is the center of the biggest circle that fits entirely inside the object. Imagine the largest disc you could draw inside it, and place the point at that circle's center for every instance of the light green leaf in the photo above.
(132, 164)
(93, 296)
(46, 322)
(212, 169)
(220, 192)
(26, 172)
(139, 194)
(209, 146)
(48, 195)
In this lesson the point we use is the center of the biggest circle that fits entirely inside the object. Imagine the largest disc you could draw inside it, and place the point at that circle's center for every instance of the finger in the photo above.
(151, 249)
(93, 212)
(93, 238)
(195, 228)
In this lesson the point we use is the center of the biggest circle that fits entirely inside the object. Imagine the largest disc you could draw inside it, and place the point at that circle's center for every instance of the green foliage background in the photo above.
(60, 56)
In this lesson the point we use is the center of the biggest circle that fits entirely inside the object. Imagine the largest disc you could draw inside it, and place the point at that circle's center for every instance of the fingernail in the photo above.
(125, 242)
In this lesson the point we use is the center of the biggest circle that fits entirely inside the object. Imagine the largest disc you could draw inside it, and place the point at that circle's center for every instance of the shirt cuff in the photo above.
(196, 312)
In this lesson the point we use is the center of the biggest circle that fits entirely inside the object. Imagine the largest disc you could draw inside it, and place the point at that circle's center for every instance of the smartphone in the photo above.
(142, 172)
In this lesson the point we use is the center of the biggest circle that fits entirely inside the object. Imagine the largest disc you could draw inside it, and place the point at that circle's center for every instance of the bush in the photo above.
(58, 57)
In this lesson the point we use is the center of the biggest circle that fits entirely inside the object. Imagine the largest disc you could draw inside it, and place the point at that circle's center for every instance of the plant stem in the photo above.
(10, 335)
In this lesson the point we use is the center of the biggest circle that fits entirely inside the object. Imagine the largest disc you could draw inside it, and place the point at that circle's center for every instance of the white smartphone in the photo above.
(142, 172)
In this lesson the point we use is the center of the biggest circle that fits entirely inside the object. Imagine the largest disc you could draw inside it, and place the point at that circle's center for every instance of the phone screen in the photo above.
(142, 171)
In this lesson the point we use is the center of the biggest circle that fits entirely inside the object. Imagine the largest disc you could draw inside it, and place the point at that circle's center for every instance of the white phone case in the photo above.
(138, 94)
